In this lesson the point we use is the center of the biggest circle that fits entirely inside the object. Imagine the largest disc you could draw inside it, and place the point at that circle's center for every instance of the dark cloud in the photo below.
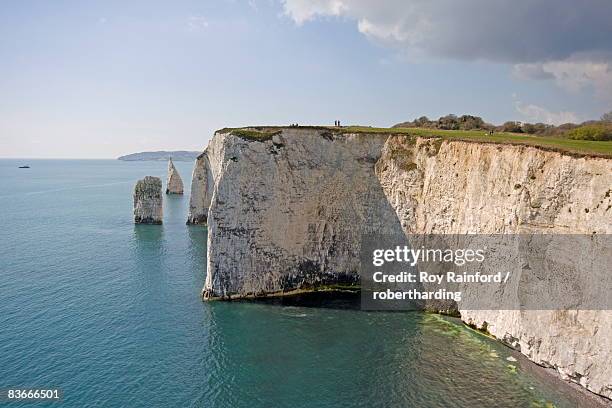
(519, 31)
(568, 41)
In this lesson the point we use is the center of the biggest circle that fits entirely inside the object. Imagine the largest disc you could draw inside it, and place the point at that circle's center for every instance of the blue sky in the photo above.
(101, 79)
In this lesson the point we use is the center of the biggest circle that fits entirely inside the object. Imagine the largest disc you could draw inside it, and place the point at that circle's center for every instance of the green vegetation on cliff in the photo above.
(258, 134)
(561, 144)
(595, 132)
(581, 147)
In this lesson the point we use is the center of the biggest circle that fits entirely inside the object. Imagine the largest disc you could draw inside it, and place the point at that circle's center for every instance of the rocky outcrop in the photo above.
(263, 215)
(205, 171)
(287, 212)
(201, 184)
(174, 183)
(148, 204)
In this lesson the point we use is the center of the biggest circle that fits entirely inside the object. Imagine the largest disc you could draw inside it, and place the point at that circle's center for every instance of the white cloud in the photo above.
(304, 10)
(396, 32)
(571, 75)
(197, 23)
(534, 113)
(531, 71)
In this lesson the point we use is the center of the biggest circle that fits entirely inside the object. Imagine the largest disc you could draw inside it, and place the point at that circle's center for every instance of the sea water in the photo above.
(111, 313)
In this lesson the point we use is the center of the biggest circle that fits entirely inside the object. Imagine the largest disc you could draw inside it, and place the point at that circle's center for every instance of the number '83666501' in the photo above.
(30, 394)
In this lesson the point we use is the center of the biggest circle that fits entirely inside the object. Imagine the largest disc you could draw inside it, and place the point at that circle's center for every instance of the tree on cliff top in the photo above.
(448, 122)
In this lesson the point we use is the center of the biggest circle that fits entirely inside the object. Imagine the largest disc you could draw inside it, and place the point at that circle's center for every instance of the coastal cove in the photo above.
(111, 312)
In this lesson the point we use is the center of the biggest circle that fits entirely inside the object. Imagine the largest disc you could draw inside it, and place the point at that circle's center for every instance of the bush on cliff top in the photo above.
(591, 132)
(448, 122)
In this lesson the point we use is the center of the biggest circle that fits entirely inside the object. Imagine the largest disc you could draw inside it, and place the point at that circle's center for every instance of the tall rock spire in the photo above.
(174, 184)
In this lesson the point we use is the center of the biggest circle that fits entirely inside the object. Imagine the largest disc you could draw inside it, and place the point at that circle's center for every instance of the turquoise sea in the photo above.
(111, 313)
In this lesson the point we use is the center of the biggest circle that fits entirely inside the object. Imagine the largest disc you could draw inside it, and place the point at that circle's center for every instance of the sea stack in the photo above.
(174, 183)
(148, 207)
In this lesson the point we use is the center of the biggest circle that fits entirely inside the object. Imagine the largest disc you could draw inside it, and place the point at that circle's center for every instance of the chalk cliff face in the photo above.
(461, 187)
(148, 205)
(287, 212)
(294, 206)
(174, 184)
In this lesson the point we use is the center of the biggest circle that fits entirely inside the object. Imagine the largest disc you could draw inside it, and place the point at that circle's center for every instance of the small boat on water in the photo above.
(24, 167)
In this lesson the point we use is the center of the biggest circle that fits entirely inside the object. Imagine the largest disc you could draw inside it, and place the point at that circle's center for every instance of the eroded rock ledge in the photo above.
(286, 211)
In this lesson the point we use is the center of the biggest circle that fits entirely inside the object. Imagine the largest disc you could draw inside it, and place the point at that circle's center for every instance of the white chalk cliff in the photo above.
(148, 201)
(174, 183)
(286, 212)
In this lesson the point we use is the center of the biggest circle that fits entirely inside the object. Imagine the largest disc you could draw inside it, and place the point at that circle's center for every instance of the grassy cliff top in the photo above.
(564, 145)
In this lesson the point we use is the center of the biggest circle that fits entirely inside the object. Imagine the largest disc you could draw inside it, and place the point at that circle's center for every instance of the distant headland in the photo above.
(162, 155)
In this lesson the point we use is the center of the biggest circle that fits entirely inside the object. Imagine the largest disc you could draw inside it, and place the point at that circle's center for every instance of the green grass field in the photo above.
(577, 147)
(581, 147)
